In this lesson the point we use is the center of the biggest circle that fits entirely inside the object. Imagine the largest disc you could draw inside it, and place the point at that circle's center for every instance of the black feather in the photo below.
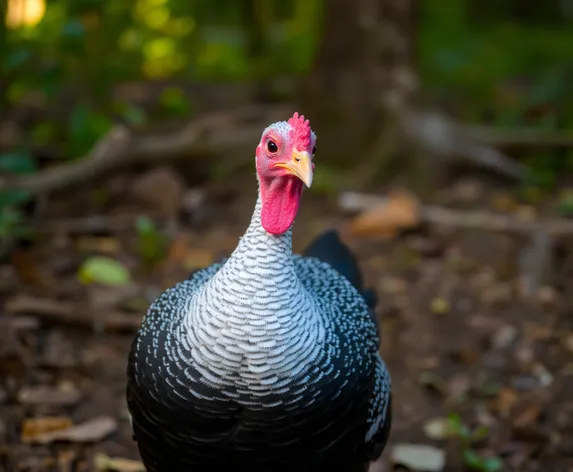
(328, 247)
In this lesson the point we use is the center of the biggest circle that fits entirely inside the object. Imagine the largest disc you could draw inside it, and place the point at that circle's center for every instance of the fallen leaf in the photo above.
(467, 355)
(103, 462)
(526, 414)
(440, 306)
(506, 399)
(44, 395)
(34, 427)
(504, 336)
(526, 422)
(438, 428)
(27, 269)
(90, 431)
(400, 211)
(104, 270)
(419, 457)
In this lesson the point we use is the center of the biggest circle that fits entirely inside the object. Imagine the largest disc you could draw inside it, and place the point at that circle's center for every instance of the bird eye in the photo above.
(272, 147)
(314, 149)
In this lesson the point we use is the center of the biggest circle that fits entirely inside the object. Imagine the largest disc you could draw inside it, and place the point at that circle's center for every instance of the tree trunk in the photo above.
(363, 83)
(335, 96)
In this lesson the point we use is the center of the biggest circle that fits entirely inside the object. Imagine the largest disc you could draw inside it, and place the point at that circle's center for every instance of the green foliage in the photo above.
(467, 437)
(85, 127)
(17, 163)
(174, 102)
(513, 68)
(103, 270)
(152, 244)
(86, 47)
(14, 163)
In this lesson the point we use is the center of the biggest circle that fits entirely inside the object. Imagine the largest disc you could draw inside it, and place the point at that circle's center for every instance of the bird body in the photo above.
(265, 361)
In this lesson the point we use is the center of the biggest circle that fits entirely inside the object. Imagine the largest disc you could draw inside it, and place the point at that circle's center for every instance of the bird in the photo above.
(266, 360)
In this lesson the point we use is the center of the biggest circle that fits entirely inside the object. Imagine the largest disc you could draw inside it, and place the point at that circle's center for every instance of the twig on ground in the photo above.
(94, 223)
(74, 314)
(444, 137)
(207, 133)
(478, 219)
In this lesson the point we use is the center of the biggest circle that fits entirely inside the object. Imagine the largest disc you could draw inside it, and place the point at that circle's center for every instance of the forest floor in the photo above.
(478, 370)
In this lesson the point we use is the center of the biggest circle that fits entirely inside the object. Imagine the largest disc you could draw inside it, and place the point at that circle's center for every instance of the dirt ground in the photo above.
(460, 341)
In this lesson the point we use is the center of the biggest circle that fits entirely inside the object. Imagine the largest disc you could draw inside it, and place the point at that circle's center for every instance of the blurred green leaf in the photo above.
(475, 462)
(16, 59)
(132, 114)
(103, 270)
(73, 29)
(455, 421)
(10, 219)
(85, 128)
(17, 163)
(480, 433)
(44, 132)
(565, 204)
(10, 198)
(173, 100)
(17, 90)
(144, 225)
(152, 244)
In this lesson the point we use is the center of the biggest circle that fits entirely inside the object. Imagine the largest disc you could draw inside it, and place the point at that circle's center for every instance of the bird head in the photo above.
(284, 161)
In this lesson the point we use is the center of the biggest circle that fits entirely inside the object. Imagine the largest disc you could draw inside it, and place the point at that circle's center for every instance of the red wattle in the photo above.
(281, 199)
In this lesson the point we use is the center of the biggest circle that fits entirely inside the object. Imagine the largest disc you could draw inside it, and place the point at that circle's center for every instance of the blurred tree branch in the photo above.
(433, 132)
(469, 219)
(120, 147)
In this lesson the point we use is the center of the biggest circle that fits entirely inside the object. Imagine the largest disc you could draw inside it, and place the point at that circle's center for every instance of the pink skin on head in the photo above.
(281, 191)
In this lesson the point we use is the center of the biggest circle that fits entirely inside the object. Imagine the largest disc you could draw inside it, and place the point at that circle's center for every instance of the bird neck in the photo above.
(260, 270)
(261, 245)
(254, 320)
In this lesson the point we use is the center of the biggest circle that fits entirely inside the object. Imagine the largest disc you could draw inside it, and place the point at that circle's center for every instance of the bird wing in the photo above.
(329, 248)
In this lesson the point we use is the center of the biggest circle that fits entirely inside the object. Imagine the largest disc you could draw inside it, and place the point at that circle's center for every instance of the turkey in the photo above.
(265, 361)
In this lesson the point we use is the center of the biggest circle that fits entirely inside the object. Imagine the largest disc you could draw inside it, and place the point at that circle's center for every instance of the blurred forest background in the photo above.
(127, 136)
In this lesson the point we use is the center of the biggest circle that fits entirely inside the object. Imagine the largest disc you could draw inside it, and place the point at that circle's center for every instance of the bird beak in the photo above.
(300, 166)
